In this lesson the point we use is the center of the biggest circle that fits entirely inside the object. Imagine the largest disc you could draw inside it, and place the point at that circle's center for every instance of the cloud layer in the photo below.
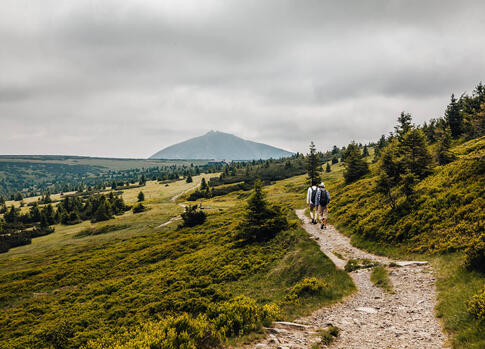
(125, 79)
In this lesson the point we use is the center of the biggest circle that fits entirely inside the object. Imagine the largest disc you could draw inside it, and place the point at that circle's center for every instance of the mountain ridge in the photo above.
(216, 145)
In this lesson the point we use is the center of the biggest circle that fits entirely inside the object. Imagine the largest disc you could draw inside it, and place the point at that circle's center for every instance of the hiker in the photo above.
(322, 199)
(311, 196)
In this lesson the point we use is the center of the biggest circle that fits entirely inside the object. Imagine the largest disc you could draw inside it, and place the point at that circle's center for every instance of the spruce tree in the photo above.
(141, 196)
(404, 124)
(261, 221)
(189, 179)
(414, 152)
(334, 160)
(355, 166)
(365, 152)
(445, 156)
(203, 184)
(454, 117)
(328, 169)
(313, 166)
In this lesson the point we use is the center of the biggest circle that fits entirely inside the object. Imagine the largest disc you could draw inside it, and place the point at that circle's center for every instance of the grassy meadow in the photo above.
(135, 282)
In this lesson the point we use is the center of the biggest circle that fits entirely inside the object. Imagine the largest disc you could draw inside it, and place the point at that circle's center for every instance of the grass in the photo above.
(380, 278)
(327, 336)
(108, 278)
(456, 286)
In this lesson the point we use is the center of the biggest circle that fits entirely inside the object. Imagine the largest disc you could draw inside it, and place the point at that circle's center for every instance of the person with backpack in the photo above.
(322, 200)
(311, 197)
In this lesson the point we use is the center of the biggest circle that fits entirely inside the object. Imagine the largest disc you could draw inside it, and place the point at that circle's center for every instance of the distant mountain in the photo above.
(220, 146)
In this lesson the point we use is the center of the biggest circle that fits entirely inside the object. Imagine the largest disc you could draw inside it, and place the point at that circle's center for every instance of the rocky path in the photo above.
(371, 318)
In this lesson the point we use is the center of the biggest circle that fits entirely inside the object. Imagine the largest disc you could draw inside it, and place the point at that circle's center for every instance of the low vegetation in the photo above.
(380, 277)
(141, 285)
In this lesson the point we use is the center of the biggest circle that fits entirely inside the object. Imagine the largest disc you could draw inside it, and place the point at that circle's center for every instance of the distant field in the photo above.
(108, 163)
(35, 174)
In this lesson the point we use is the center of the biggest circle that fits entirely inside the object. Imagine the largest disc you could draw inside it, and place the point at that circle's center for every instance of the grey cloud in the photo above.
(281, 71)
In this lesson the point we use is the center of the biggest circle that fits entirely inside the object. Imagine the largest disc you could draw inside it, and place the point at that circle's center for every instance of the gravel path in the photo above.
(371, 318)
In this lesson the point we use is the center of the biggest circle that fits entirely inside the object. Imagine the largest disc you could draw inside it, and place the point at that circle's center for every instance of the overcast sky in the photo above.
(127, 78)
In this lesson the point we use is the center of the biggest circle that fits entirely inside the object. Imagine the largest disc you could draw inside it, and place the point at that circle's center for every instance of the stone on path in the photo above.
(406, 263)
(367, 310)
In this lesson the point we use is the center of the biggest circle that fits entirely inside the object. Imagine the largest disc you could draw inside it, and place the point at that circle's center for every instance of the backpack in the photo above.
(324, 198)
(314, 195)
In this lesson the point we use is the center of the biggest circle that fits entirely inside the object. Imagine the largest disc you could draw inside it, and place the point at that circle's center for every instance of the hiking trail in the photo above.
(371, 317)
(174, 199)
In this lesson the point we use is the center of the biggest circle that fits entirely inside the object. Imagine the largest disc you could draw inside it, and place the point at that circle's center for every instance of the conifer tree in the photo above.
(334, 160)
(141, 196)
(413, 149)
(328, 169)
(313, 166)
(261, 221)
(454, 117)
(189, 179)
(445, 156)
(203, 184)
(365, 152)
(404, 124)
(355, 166)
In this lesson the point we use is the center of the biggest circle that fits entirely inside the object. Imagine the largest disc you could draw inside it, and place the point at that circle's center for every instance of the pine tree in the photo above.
(355, 166)
(365, 152)
(313, 166)
(203, 184)
(414, 152)
(454, 117)
(143, 180)
(189, 179)
(261, 221)
(334, 160)
(404, 124)
(328, 169)
(445, 156)
(141, 196)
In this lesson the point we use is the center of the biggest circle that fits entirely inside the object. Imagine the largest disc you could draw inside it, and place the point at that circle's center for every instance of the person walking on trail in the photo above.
(311, 197)
(322, 199)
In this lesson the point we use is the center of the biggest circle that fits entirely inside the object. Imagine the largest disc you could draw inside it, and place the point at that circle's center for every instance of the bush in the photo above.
(138, 208)
(58, 336)
(307, 287)
(242, 315)
(476, 305)
(183, 331)
(192, 217)
(475, 255)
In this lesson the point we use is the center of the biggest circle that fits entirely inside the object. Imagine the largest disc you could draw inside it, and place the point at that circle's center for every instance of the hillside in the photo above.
(220, 146)
(445, 218)
(125, 281)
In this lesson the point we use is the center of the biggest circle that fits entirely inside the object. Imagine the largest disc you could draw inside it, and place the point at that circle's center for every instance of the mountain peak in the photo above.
(217, 145)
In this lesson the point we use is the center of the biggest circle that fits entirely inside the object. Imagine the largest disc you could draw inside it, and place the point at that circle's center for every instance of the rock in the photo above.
(367, 310)
(291, 324)
(406, 263)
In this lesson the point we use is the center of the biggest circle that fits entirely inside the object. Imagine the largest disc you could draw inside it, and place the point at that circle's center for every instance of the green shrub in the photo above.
(58, 336)
(192, 217)
(241, 315)
(475, 255)
(307, 287)
(183, 331)
(476, 305)
(138, 208)
(328, 335)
